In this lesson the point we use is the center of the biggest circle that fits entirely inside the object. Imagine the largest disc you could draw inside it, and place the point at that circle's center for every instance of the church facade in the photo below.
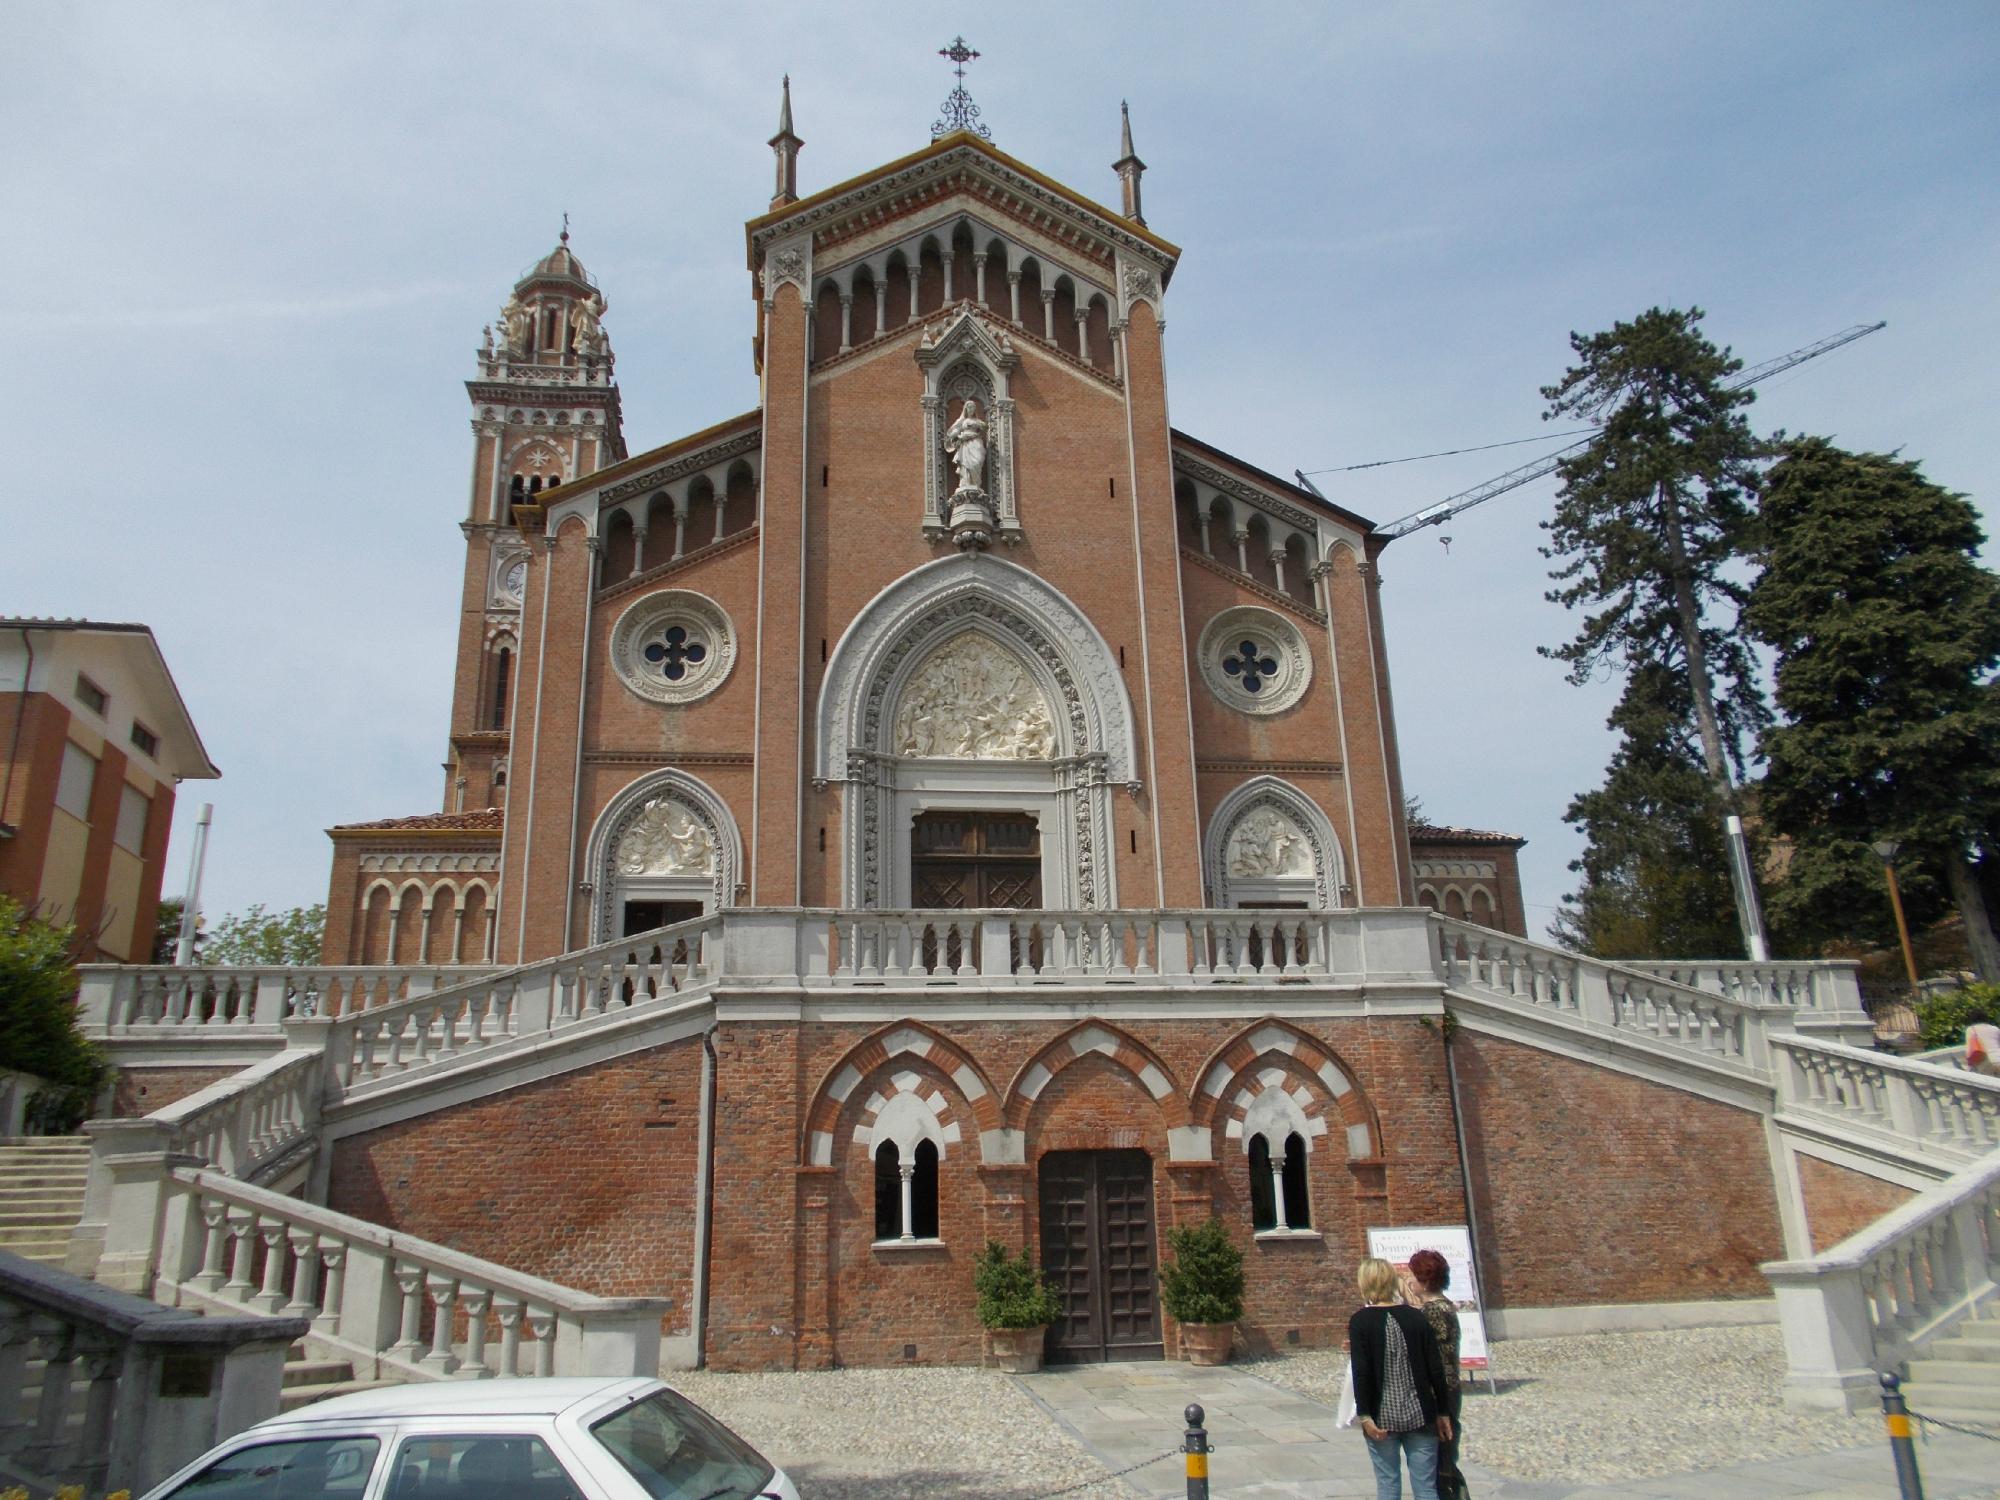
(954, 622)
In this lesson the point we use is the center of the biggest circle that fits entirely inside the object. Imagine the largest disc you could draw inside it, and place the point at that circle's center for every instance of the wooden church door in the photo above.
(1098, 1251)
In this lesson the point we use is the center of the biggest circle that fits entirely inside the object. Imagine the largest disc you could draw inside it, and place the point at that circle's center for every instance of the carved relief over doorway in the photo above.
(971, 699)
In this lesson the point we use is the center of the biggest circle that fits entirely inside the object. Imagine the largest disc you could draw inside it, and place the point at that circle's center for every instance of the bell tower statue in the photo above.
(545, 412)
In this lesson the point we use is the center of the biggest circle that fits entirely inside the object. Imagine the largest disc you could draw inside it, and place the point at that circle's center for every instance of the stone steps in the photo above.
(308, 1380)
(1958, 1376)
(42, 1180)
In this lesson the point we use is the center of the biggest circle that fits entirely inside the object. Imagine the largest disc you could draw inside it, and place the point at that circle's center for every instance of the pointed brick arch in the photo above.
(875, 1052)
(1238, 1071)
(1080, 1041)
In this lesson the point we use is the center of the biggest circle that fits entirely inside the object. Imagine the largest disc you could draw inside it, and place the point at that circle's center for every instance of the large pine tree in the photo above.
(1653, 513)
(1887, 633)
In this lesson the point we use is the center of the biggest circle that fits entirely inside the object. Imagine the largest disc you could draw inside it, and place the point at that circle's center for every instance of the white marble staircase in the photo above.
(42, 1180)
(1958, 1376)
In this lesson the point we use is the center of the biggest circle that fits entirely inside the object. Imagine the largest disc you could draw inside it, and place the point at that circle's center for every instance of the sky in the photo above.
(251, 248)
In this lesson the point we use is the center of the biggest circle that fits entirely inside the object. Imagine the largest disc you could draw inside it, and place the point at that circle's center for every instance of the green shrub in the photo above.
(1012, 1293)
(38, 1027)
(1204, 1281)
(1942, 1019)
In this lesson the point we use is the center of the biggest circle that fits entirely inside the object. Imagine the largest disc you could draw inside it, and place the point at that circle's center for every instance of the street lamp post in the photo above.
(1886, 850)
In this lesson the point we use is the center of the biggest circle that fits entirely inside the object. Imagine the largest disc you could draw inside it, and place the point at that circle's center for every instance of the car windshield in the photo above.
(677, 1451)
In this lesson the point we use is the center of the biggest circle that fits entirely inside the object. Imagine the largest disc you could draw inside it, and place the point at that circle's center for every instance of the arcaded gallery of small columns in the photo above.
(676, 519)
(890, 289)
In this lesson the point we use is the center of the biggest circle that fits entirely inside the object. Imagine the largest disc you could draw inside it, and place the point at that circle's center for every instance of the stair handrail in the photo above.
(1932, 1115)
(252, 1119)
(1864, 1306)
(136, 1000)
(227, 1244)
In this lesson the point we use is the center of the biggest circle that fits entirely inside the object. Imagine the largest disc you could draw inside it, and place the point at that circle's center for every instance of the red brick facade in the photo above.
(1575, 1200)
(140, 1091)
(1841, 1201)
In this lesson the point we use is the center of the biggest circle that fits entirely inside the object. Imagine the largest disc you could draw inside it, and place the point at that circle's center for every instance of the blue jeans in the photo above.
(1420, 1449)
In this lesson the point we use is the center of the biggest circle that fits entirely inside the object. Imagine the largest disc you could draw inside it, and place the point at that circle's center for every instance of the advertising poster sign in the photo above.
(1454, 1243)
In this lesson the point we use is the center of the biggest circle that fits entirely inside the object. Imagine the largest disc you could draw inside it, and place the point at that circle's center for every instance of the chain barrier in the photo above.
(1988, 1433)
(1102, 1478)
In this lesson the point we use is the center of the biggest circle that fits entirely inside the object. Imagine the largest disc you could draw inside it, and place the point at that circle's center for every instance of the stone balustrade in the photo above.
(1906, 1105)
(109, 1391)
(1876, 1298)
(392, 1304)
(252, 1120)
(123, 1000)
(492, 1010)
(1635, 1001)
(17, 1091)
(1804, 985)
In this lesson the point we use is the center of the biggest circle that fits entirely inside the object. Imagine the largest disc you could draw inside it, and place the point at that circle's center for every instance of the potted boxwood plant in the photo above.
(1016, 1305)
(1202, 1289)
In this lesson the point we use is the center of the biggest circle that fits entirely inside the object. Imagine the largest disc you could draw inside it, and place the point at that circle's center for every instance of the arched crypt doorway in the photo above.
(971, 701)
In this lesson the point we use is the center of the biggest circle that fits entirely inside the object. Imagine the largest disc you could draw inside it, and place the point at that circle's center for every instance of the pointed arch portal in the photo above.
(972, 684)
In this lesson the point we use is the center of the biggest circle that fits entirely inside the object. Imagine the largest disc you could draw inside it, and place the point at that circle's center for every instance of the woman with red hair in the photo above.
(1424, 1288)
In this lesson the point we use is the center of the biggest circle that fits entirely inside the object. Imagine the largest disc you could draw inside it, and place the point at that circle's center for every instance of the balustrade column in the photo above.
(475, 1300)
(509, 1313)
(17, 1342)
(238, 1287)
(305, 1267)
(271, 1296)
(214, 1216)
(444, 1300)
(50, 1437)
(104, 1364)
(409, 1282)
(543, 1326)
(332, 1255)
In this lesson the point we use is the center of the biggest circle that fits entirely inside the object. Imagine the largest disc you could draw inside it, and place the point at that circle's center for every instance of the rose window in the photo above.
(673, 646)
(1255, 660)
(1250, 664)
(675, 653)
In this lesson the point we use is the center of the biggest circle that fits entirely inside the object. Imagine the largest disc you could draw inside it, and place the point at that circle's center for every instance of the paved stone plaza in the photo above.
(1674, 1416)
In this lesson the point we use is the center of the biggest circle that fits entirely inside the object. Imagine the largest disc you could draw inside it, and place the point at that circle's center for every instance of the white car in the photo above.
(562, 1439)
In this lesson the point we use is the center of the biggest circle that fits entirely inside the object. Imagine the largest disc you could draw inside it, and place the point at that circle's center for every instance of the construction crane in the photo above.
(1742, 877)
(1513, 479)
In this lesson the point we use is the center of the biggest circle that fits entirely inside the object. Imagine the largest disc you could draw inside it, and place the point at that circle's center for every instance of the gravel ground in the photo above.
(1622, 1405)
(901, 1434)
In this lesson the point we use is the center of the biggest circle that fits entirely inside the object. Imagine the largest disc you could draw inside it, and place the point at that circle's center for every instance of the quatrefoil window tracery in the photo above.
(674, 652)
(1250, 664)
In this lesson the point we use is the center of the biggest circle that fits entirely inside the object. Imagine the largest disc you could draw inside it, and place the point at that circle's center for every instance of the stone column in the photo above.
(1083, 334)
(946, 258)
(846, 321)
(1048, 315)
(979, 278)
(1014, 297)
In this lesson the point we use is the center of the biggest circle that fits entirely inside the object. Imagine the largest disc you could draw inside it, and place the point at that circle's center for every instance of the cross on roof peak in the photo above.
(960, 113)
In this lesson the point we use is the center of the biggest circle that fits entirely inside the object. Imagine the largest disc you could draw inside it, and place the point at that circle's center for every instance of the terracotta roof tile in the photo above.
(485, 819)
(1435, 833)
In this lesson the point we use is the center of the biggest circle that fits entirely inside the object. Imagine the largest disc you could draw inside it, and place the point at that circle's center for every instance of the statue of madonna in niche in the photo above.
(965, 441)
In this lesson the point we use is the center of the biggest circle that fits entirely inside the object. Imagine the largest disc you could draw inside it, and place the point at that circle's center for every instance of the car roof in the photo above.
(527, 1396)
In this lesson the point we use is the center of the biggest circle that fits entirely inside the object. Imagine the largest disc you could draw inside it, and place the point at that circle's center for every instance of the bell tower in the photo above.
(545, 412)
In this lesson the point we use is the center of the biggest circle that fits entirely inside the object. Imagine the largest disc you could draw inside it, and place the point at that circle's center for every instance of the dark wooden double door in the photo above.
(1099, 1252)
(963, 861)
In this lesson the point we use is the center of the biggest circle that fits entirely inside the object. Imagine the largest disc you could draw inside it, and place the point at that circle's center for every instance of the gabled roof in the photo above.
(135, 643)
(866, 193)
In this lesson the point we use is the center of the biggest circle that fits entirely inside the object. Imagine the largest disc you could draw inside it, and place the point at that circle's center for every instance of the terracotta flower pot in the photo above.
(1018, 1351)
(1206, 1343)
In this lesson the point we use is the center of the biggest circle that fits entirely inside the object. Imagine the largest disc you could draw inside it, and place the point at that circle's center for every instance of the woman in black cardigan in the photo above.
(1399, 1387)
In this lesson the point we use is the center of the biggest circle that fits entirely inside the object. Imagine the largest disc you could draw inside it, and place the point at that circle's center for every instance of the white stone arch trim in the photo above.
(1266, 1107)
(911, 1109)
(707, 808)
(1329, 881)
(1063, 653)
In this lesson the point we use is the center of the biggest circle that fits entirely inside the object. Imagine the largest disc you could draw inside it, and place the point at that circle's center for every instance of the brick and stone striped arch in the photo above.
(863, 1067)
(1145, 1066)
(1272, 1055)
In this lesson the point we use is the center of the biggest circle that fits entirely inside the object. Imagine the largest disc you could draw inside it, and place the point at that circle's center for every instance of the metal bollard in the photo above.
(1196, 1448)
(1909, 1483)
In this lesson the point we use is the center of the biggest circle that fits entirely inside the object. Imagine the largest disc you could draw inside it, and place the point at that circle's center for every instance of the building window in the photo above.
(74, 782)
(673, 646)
(906, 1195)
(502, 665)
(133, 807)
(91, 696)
(1278, 1197)
(144, 740)
(1250, 663)
(1254, 660)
